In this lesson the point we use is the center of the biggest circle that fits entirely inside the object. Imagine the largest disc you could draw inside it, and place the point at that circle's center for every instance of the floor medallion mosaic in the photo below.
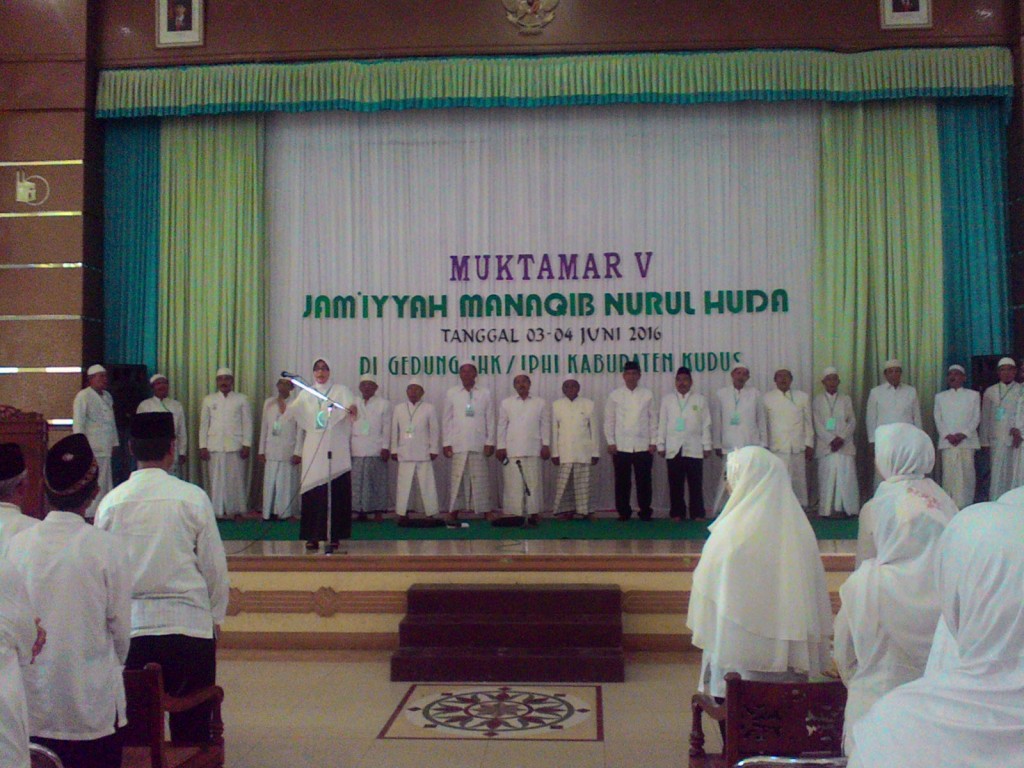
(491, 711)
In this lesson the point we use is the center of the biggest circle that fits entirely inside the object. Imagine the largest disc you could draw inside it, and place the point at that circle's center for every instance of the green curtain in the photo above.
(878, 273)
(212, 260)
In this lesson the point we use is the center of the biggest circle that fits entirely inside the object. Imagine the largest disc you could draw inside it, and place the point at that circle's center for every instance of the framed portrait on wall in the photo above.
(906, 14)
(179, 23)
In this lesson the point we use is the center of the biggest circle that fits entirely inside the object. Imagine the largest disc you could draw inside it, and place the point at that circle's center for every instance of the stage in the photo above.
(284, 598)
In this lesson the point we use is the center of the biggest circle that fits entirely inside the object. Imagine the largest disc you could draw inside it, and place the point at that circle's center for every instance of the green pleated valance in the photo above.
(540, 81)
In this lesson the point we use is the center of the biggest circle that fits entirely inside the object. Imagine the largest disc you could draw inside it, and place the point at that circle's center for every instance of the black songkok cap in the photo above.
(631, 365)
(70, 466)
(683, 370)
(12, 461)
(152, 426)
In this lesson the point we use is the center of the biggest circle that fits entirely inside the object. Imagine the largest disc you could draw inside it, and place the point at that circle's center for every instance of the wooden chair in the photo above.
(43, 757)
(784, 719)
(148, 705)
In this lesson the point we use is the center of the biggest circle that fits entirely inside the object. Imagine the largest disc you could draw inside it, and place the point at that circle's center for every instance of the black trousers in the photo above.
(313, 524)
(627, 467)
(97, 753)
(689, 471)
(189, 664)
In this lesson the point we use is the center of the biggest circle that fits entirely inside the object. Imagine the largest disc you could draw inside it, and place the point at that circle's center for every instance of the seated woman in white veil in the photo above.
(884, 631)
(969, 711)
(759, 604)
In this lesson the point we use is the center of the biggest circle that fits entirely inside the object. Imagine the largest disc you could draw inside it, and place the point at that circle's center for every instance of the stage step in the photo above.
(511, 633)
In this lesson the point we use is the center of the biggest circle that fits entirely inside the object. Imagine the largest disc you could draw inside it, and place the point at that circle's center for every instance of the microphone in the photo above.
(519, 463)
(286, 375)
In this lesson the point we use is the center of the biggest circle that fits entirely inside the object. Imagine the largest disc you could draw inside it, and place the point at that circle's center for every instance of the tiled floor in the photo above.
(326, 709)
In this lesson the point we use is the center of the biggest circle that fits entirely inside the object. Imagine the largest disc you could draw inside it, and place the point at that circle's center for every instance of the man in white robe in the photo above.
(524, 441)
(892, 402)
(737, 420)
(415, 444)
(469, 439)
(370, 439)
(574, 450)
(13, 486)
(79, 582)
(998, 431)
(684, 439)
(18, 648)
(160, 401)
(834, 448)
(957, 416)
(225, 437)
(279, 448)
(790, 430)
(93, 416)
(631, 432)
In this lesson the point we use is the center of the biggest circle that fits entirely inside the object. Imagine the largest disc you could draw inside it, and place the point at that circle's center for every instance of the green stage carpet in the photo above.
(600, 529)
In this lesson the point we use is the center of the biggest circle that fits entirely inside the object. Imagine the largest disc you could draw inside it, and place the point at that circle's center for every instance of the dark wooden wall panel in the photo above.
(43, 85)
(50, 394)
(43, 30)
(42, 291)
(41, 240)
(239, 30)
(58, 188)
(44, 135)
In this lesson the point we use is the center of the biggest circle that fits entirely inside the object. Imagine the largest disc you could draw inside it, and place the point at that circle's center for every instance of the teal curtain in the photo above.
(131, 242)
(972, 142)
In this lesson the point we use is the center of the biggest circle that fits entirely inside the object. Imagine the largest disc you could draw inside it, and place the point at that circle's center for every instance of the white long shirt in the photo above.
(738, 419)
(998, 410)
(631, 419)
(225, 423)
(833, 417)
(173, 407)
(17, 636)
(958, 411)
(371, 427)
(324, 433)
(80, 584)
(523, 425)
(415, 431)
(684, 425)
(280, 437)
(574, 437)
(891, 405)
(788, 417)
(12, 522)
(179, 570)
(468, 419)
(93, 416)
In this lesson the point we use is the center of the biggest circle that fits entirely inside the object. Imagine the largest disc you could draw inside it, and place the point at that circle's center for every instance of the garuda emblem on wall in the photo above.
(530, 15)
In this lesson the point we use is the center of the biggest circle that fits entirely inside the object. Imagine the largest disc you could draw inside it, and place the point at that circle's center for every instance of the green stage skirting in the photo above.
(603, 529)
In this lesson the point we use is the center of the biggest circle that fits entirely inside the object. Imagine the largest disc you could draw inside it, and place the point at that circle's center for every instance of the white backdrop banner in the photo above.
(556, 242)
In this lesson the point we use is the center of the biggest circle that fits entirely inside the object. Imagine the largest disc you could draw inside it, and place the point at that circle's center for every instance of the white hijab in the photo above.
(971, 714)
(311, 415)
(759, 600)
(904, 455)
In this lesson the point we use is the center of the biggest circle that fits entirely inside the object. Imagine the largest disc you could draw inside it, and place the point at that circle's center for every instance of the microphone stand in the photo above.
(331, 405)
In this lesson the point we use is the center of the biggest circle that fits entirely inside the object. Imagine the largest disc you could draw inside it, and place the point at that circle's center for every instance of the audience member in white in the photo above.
(737, 420)
(160, 401)
(79, 582)
(891, 403)
(178, 569)
(370, 440)
(969, 711)
(467, 423)
(684, 439)
(790, 429)
(904, 455)
(957, 416)
(890, 605)
(326, 457)
(279, 448)
(524, 439)
(415, 443)
(631, 431)
(225, 437)
(834, 427)
(759, 604)
(999, 430)
(13, 486)
(21, 640)
(574, 450)
(93, 416)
